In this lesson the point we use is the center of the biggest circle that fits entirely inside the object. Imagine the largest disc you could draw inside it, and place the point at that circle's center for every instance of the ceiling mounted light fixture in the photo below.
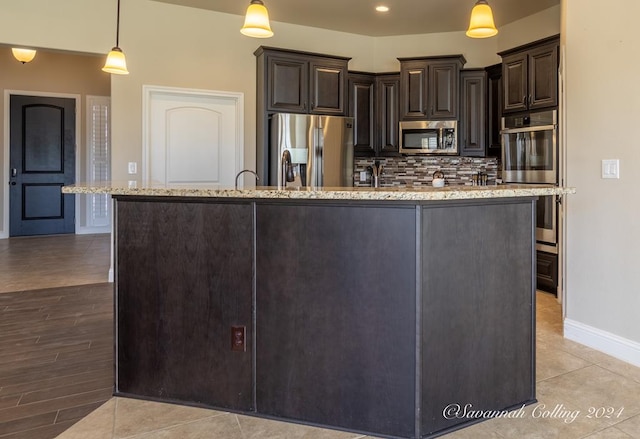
(382, 8)
(256, 21)
(481, 23)
(116, 62)
(23, 55)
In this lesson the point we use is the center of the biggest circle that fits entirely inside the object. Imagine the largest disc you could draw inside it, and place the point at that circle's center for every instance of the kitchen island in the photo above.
(375, 311)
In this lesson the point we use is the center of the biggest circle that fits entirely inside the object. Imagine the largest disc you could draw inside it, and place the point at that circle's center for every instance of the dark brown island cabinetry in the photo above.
(429, 87)
(183, 280)
(530, 76)
(331, 337)
(374, 106)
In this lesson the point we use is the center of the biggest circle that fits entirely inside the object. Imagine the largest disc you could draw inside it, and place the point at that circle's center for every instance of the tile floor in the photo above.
(582, 393)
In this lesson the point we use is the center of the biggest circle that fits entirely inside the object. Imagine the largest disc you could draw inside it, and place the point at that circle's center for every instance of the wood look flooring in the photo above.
(56, 344)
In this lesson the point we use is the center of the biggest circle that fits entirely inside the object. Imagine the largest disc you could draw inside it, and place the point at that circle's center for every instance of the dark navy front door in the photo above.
(42, 160)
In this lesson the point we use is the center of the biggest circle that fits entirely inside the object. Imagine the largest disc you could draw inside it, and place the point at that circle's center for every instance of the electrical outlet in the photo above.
(238, 338)
(133, 167)
(363, 175)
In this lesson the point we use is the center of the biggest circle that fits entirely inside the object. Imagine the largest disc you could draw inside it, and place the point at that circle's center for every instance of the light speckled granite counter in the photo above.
(327, 193)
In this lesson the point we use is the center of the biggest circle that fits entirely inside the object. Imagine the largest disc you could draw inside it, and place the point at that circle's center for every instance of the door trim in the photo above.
(148, 92)
(4, 172)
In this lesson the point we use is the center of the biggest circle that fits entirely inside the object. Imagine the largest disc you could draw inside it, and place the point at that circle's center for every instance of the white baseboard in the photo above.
(83, 230)
(611, 344)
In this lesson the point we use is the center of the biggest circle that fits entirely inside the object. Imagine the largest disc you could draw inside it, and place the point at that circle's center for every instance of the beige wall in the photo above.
(532, 28)
(602, 112)
(51, 72)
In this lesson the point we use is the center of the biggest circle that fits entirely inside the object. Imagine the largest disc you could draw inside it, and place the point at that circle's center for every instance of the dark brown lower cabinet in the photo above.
(183, 278)
(369, 316)
(547, 272)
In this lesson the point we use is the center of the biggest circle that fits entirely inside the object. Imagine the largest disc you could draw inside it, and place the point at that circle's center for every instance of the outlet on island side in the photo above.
(238, 338)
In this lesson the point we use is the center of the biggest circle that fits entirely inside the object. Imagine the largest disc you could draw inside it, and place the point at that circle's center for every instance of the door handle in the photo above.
(14, 172)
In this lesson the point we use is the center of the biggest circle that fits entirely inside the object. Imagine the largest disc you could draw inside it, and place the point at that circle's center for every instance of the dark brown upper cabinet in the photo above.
(530, 76)
(494, 109)
(473, 113)
(301, 82)
(387, 112)
(429, 87)
(362, 108)
(374, 106)
(288, 87)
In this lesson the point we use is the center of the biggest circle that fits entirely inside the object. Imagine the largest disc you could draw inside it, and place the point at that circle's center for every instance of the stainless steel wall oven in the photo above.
(530, 155)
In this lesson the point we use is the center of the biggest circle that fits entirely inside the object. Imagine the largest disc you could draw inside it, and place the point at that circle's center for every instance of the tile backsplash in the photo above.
(414, 171)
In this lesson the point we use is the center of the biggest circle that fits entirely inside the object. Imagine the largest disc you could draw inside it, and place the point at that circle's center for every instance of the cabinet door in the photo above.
(328, 87)
(473, 117)
(443, 90)
(388, 107)
(183, 281)
(362, 109)
(494, 106)
(413, 90)
(547, 272)
(514, 77)
(287, 88)
(543, 77)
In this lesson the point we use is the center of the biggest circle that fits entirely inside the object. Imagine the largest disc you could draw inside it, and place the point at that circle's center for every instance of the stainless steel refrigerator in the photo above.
(308, 150)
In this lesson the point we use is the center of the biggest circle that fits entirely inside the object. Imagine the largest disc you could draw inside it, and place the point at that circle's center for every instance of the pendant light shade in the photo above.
(481, 23)
(256, 21)
(23, 55)
(116, 62)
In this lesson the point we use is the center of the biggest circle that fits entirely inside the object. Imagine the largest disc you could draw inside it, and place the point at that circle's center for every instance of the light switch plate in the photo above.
(133, 168)
(611, 168)
(363, 175)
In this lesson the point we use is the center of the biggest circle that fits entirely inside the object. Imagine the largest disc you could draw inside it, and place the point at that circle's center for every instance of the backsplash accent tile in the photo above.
(415, 171)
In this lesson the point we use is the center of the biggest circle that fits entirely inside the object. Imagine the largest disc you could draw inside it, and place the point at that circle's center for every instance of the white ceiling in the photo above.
(405, 17)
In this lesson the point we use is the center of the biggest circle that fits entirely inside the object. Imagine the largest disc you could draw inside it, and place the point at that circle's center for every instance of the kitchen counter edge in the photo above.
(340, 193)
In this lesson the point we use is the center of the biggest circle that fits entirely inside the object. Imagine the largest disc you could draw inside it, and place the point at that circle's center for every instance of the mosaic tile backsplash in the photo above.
(412, 171)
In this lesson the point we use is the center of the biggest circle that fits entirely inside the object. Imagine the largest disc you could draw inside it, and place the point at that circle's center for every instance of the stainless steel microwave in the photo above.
(429, 137)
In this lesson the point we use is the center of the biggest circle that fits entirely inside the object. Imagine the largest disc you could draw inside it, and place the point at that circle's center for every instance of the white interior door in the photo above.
(193, 137)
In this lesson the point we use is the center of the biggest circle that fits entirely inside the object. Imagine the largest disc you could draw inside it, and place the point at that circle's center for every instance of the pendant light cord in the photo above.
(118, 26)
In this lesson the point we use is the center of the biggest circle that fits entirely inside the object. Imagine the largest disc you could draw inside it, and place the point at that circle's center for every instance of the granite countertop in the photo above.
(325, 193)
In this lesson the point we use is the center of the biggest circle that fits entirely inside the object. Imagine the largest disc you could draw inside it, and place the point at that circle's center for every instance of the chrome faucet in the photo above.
(242, 172)
(286, 168)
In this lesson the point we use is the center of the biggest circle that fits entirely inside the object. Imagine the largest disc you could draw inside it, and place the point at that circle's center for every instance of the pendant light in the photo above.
(116, 63)
(23, 55)
(481, 23)
(256, 21)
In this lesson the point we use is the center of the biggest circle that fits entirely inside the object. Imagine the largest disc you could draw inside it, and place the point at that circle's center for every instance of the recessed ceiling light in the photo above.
(382, 8)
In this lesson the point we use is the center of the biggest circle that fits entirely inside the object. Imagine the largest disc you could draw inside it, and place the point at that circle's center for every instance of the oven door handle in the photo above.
(528, 129)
